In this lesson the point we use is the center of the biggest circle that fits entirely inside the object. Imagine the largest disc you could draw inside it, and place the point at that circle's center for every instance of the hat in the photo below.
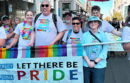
(94, 18)
(68, 13)
(114, 18)
(5, 16)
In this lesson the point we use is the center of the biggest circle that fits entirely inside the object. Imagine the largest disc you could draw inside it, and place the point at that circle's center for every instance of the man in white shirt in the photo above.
(2, 37)
(106, 27)
(45, 30)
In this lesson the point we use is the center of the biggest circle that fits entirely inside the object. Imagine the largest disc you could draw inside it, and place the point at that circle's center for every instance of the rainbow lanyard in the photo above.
(10, 27)
(24, 32)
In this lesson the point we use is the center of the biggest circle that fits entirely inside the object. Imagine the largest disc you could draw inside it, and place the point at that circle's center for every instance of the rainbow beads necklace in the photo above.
(23, 31)
(10, 27)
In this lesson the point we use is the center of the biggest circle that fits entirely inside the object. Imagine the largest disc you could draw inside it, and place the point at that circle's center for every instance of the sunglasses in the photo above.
(5, 19)
(75, 23)
(93, 21)
(44, 5)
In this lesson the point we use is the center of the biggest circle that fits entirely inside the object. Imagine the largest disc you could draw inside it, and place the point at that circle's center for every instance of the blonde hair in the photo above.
(18, 19)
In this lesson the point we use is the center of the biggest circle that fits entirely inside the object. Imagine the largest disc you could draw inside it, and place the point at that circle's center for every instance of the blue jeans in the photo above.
(98, 75)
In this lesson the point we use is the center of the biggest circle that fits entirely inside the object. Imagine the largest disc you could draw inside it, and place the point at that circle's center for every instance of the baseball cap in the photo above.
(4, 16)
(68, 13)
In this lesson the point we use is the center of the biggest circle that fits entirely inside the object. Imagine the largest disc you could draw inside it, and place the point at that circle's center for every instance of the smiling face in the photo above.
(76, 25)
(6, 21)
(93, 25)
(45, 8)
(96, 13)
(68, 19)
(29, 16)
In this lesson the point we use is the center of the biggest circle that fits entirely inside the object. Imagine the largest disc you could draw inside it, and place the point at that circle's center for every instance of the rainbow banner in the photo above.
(43, 64)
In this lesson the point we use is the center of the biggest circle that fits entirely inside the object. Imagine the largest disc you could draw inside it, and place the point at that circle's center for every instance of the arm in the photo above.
(63, 43)
(126, 47)
(118, 33)
(2, 42)
(10, 35)
(59, 36)
(32, 38)
(14, 41)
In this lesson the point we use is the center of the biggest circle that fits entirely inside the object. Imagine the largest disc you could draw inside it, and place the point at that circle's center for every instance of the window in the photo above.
(66, 6)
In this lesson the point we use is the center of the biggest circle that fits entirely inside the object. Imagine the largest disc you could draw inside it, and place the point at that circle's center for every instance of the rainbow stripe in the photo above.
(42, 51)
(75, 38)
(43, 30)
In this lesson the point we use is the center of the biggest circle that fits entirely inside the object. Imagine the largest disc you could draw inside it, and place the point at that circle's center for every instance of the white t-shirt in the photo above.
(2, 34)
(74, 38)
(8, 41)
(126, 33)
(45, 29)
(18, 30)
(106, 27)
(68, 27)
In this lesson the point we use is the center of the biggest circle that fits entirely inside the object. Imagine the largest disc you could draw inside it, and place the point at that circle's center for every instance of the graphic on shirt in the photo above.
(75, 40)
(26, 32)
(94, 49)
(67, 30)
(44, 25)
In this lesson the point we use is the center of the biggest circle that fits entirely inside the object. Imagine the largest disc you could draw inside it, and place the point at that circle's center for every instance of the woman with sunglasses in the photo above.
(23, 31)
(7, 26)
(94, 61)
(73, 36)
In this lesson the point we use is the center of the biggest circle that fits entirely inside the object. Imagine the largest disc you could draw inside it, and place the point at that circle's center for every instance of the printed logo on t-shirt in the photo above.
(67, 30)
(94, 49)
(26, 35)
(44, 25)
(75, 40)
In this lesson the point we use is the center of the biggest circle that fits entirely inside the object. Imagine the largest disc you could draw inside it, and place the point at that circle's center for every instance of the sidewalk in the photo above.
(118, 70)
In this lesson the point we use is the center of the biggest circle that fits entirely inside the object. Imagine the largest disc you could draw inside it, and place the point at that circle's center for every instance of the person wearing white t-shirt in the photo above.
(23, 31)
(68, 21)
(7, 26)
(2, 37)
(73, 36)
(106, 27)
(46, 32)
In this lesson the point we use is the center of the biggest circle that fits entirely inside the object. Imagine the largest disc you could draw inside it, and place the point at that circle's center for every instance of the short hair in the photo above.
(76, 18)
(27, 12)
(95, 8)
(18, 19)
(127, 20)
(47, 1)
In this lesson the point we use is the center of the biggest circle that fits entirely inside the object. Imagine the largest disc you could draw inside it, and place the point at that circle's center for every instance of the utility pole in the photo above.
(6, 7)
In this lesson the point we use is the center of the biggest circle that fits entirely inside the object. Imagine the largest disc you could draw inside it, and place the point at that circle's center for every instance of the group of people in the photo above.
(47, 29)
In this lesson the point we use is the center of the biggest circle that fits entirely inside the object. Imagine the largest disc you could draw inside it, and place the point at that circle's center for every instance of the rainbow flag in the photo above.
(42, 51)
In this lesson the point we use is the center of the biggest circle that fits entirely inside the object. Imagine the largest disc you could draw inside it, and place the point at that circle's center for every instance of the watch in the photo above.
(95, 62)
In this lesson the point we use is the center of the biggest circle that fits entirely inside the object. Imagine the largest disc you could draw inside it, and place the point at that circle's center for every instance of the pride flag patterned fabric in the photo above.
(42, 51)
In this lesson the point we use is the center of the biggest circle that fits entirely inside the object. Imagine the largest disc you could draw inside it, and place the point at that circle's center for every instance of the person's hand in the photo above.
(30, 45)
(11, 31)
(91, 64)
(52, 43)
(8, 47)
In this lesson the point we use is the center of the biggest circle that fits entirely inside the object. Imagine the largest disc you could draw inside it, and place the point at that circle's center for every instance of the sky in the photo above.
(105, 7)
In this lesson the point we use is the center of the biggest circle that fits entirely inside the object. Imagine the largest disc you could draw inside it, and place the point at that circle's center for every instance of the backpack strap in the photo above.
(36, 19)
(68, 35)
(54, 17)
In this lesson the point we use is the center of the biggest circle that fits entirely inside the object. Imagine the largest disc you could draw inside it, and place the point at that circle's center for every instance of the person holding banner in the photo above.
(94, 61)
(73, 36)
(7, 26)
(126, 36)
(49, 28)
(106, 27)
(2, 37)
(23, 31)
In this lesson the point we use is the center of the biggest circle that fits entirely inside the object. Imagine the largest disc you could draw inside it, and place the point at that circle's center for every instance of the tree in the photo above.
(117, 15)
(107, 19)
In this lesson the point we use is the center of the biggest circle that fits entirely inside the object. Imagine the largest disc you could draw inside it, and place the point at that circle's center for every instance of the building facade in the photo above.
(73, 5)
(121, 6)
(88, 7)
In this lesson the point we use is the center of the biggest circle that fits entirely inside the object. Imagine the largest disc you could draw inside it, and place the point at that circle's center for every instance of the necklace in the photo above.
(26, 37)
(10, 27)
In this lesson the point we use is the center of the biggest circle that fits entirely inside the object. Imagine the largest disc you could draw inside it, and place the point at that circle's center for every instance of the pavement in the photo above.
(118, 70)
